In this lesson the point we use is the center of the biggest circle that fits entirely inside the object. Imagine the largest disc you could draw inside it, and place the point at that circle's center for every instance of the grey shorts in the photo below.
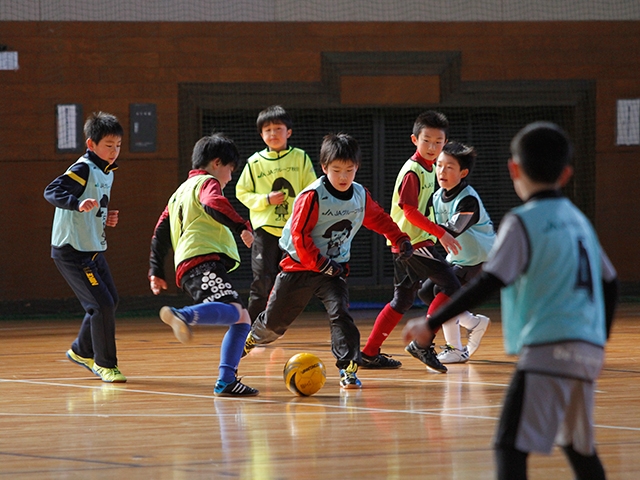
(541, 409)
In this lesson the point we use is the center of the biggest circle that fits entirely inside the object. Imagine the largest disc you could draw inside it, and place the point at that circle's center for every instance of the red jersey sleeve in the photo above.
(303, 220)
(219, 207)
(376, 219)
(408, 202)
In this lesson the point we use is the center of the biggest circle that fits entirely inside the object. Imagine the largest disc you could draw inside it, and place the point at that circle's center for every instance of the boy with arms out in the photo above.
(411, 209)
(459, 210)
(78, 242)
(317, 241)
(198, 223)
(269, 182)
(559, 292)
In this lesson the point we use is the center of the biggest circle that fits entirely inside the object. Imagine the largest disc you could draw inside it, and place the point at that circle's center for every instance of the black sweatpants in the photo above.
(265, 265)
(289, 297)
(89, 277)
(411, 275)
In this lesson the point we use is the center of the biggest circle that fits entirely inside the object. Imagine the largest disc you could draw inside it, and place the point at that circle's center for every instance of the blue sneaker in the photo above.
(348, 378)
(233, 389)
(177, 322)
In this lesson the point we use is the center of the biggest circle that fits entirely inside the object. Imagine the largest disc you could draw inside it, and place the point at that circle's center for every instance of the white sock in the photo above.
(468, 320)
(451, 332)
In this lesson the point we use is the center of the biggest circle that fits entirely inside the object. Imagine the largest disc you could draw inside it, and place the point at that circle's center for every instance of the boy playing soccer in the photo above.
(198, 223)
(458, 209)
(411, 209)
(317, 242)
(559, 292)
(78, 242)
(269, 182)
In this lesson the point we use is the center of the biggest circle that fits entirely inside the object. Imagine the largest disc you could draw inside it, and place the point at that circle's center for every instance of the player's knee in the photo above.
(449, 289)
(243, 313)
(401, 305)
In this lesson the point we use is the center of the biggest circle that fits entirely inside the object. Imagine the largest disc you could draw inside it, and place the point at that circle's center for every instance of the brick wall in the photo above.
(107, 66)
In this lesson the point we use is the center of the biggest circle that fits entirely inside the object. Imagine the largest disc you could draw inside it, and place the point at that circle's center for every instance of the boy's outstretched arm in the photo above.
(408, 202)
(419, 220)
(469, 296)
(379, 221)
(220, 209)
(467, 214)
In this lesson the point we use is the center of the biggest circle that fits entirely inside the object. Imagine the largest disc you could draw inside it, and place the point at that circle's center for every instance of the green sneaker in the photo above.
(83, 362)
(109, 375)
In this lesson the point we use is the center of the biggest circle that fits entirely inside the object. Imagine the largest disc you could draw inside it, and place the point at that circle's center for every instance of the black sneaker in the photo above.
(381, 360)
(427, 356)
(233, 389)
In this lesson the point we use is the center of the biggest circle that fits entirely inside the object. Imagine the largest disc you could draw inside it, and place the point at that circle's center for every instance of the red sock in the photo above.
(437, 302)
(387, 320)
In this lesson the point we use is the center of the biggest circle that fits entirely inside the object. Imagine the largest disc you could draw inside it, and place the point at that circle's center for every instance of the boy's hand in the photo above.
(276, 197)
(112, 218)
(247, 238)
(406, 250)
(88, 204)
(450, 244)
(418, 330)
(157, 284)
(331, 268)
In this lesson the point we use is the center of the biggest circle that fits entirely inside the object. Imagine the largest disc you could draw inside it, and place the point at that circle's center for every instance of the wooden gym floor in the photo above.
(57, 421)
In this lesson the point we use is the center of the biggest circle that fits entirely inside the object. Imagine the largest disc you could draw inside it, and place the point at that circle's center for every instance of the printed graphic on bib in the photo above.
(338, 233)
(282, 209)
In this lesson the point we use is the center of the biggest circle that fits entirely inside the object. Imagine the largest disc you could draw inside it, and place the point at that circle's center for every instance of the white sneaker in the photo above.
(451, 354)
(172, 317)
(476, 333)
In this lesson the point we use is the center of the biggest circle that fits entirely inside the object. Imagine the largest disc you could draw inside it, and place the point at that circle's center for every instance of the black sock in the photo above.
(511, 464)
(585, 467)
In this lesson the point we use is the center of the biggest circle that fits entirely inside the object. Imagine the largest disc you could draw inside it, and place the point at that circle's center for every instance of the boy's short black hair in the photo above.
(100, 125)
(340, 146)
(274, 114)
(464, 154)
(216, 145)
(431, 119)
(543, 150)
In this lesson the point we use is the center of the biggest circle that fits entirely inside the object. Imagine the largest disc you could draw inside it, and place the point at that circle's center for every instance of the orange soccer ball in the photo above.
(304, 374)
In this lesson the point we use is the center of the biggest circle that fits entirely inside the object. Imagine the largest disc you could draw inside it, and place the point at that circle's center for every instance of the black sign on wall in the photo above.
(142, 121)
